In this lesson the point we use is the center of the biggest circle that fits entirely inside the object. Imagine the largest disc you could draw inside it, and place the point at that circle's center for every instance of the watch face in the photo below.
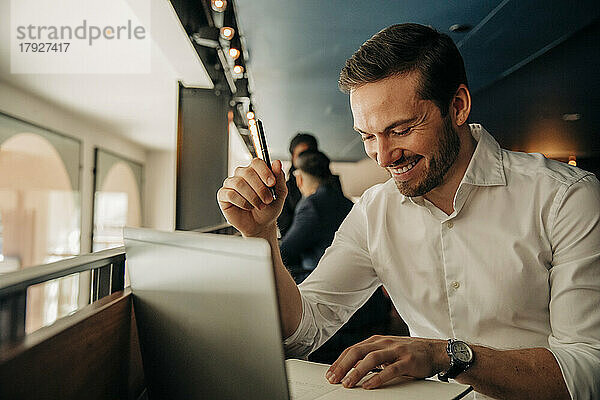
(462, 352)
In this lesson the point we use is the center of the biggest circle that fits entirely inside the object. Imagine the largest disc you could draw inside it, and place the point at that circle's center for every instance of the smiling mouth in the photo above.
(405, 168)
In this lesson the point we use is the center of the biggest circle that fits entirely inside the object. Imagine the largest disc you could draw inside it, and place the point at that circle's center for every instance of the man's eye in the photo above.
(402, 133)
(366, 137)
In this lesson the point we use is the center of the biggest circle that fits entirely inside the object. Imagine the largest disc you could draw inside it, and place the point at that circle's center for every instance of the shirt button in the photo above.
(455, 284)
(449, 224)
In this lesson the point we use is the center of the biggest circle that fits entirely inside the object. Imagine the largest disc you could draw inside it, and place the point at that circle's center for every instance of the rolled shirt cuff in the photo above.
(580, 367)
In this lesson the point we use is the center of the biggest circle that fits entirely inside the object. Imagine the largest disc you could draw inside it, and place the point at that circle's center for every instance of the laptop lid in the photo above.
(207, 315)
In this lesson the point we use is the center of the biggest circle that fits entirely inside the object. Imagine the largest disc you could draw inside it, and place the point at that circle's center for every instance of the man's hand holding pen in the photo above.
(246, 199)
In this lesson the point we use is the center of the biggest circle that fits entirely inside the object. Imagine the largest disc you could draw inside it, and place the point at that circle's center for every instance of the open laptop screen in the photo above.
(207, 315)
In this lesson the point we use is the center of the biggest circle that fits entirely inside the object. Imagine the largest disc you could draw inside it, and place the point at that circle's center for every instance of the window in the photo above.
(117, 199)
(40, 212)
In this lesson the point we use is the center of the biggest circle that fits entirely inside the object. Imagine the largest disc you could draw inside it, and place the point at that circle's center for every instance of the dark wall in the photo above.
(591, 164)
(524, 111)
(202, 156)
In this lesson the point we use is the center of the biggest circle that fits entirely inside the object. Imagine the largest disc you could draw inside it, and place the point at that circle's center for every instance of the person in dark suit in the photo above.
(318, 214)
(301, 142)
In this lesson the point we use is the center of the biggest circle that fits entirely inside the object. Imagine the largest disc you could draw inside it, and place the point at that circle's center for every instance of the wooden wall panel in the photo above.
(93, 354)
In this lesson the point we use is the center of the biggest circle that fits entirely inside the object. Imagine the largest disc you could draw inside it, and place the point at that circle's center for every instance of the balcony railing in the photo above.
(107, 276)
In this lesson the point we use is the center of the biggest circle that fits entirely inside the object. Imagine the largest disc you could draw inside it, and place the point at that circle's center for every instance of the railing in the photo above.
(108, 276)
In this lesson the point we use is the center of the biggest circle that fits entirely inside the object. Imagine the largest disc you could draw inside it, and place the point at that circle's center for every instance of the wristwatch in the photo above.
(461, 358)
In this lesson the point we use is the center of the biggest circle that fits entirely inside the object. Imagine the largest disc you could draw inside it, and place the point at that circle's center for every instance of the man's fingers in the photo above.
(251, 176)
(348, 359)
(369, 362)
(228, 197)
(336, 373)
(330, 372)
(241, 186)
(392, 371)
(263, 171)
(330, 375)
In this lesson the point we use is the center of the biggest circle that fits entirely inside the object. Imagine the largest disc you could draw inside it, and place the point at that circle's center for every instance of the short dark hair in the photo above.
(315, 164)
(304, 137)
(405, 48)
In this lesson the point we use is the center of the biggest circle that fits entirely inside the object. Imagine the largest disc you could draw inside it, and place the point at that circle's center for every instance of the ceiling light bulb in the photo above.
(218, 5)
(571, 117)
(227, 32)
(250, 115)
(234, 53)
(238, 69)
(251, 122)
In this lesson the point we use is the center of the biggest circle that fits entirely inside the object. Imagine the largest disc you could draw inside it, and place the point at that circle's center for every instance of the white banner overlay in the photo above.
(80, 37)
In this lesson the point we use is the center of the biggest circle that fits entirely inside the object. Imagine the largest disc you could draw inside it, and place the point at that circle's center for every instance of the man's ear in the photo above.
(461, 105)
(299, 180)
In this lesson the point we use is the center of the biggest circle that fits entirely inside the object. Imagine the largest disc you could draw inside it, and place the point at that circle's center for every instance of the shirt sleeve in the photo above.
(300, 235)
(575, 287)
(342, 282)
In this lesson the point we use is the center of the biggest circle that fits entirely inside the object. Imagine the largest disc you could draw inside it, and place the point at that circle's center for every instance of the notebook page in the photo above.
(306, 380)
(309, 379)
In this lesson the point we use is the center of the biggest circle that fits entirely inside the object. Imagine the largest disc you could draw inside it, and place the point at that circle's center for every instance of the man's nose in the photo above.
(387, 154)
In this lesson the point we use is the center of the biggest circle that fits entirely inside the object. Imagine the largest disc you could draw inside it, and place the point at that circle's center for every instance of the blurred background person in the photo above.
(317, 216)
(301, 142)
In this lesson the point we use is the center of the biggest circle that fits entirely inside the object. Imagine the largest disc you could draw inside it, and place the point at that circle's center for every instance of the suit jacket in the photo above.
(316, 219)
(285, 219)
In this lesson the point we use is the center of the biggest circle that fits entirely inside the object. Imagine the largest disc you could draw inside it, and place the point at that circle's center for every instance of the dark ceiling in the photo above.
(296, 49)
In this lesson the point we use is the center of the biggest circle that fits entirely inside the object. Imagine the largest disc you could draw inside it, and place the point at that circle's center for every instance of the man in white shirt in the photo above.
(491, 257)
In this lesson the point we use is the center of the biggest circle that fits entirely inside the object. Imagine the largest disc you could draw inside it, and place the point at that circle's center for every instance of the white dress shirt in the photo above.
(516, 265)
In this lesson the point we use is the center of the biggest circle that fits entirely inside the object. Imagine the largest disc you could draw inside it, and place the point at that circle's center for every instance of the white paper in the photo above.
(307, 382)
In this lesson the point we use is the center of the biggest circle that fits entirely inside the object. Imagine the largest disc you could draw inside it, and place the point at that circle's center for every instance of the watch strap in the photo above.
(452, 372)
(456, 366)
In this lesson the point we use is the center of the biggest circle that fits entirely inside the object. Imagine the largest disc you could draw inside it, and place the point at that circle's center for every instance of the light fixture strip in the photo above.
(226, 70)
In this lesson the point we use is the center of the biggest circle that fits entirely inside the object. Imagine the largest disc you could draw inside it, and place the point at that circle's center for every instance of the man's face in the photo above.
(405, 134)
(300, 147)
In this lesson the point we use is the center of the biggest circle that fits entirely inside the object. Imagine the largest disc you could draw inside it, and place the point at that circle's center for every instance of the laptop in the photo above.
(208, 323)
(207, 315)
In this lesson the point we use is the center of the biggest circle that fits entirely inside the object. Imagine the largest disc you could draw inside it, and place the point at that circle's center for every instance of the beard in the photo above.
(444, 156)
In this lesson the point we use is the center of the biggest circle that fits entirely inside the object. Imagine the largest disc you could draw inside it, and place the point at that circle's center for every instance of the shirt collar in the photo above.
(486, 167)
